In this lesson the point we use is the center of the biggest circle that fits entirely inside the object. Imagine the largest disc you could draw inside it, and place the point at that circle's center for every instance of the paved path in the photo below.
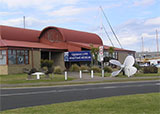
(25, 97)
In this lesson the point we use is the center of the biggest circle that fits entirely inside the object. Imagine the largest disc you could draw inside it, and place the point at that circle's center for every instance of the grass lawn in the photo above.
(22, 78)
(130, 104)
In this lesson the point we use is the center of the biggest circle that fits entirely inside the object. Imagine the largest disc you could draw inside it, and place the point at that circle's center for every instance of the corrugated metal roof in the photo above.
(19, 37)
(19, 34)
(11, 43)
(76, 36)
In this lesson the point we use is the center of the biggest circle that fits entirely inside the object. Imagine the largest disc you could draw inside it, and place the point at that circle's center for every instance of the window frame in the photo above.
(6, 56)
(21, 53)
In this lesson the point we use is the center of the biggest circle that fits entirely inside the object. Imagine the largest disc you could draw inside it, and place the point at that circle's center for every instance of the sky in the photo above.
(131, 19)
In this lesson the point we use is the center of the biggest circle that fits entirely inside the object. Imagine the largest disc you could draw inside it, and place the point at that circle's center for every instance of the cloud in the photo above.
(130, 33)
(147, 35)
(2, 14)
(153, 21)
(67, 11)
(38, 4)
(143, 2)
(35, 23)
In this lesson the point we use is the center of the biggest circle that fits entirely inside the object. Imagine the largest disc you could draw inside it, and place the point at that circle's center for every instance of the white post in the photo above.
(103, 73)
(65, 75)
(38, 77)
(91, 73)
(80, 74)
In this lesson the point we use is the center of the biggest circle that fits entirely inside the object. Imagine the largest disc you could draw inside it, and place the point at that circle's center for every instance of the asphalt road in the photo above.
(16, 98)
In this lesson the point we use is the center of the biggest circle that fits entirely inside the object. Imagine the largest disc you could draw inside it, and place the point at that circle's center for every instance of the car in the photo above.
(157, 65)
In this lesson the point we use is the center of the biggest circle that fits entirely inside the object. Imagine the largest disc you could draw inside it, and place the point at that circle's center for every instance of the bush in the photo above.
(150, 69)
(57, 70)
(137, 66)
(107, 69)
(96, 69)
(46, 63)
(45, 69)
(84, 67)
(74, 68)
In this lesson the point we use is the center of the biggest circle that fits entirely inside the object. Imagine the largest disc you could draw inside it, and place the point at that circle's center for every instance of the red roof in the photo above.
(11, 43)
(87, 46)
(19, 34)
(76, 36)
(19, 37)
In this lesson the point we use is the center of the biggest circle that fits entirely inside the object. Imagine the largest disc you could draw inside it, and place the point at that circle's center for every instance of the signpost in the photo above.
(100, 58)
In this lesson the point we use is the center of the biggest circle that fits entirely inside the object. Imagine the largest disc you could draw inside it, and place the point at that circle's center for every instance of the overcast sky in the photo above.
(130, 19)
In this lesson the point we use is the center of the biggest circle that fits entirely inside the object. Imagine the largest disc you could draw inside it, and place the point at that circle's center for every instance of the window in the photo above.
(18, 57)
(114, 55)
(11, 56)
(3, 57)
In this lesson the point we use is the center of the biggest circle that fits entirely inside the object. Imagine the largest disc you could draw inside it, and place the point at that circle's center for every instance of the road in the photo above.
(25, 97)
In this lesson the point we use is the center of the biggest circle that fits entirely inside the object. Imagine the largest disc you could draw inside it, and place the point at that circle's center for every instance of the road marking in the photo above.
(80, 89)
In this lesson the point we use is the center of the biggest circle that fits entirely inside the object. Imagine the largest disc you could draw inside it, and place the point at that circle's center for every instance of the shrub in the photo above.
(57, 70)
(137, 66)
(45, 69)
(74, 68)
(46, 63)
(96, 69)
(150, 69)
(84, 67)
(107, 69)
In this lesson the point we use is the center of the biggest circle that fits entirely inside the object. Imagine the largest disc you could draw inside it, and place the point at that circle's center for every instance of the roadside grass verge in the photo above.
(22, 78)
(135, 75)
(129, 104)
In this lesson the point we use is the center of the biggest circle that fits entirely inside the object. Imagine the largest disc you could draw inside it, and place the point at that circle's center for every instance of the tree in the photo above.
(111, 51)
(94, 52)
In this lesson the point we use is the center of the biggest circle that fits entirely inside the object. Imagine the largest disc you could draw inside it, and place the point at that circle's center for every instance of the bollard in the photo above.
(65, 75)
(103, 73)
(80, 74)
(91, 73)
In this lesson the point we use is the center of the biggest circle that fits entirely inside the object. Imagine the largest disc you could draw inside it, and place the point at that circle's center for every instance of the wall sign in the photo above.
(77, 56)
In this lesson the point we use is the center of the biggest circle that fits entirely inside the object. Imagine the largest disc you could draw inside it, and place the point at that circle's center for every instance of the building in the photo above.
(24, 48)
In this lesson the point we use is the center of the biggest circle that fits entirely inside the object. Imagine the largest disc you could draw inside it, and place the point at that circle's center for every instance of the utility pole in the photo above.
(24, 21)
(142, 45)
(157, 43)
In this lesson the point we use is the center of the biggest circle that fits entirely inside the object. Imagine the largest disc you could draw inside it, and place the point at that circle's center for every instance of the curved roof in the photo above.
(19, 34)
(76, 36)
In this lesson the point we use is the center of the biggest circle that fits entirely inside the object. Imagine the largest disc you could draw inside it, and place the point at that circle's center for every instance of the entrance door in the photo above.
(44, 55)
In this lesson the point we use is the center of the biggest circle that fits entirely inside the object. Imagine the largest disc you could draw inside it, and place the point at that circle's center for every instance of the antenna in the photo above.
(107, 35)
(157, 42)
(111, 27)
(24, 21)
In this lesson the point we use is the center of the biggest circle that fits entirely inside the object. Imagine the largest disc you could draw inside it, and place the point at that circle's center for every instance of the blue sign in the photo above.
(77, 56)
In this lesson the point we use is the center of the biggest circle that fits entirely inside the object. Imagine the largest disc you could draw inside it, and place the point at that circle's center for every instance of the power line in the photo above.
(108, 35)
(111, 27)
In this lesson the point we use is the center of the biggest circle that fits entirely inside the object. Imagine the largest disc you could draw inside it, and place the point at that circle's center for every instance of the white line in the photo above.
(82, 89)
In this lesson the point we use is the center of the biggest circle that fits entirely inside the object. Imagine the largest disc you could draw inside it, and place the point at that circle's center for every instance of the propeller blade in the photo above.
(130, 70)
(115, 73)
(115, 62)
(129, 61)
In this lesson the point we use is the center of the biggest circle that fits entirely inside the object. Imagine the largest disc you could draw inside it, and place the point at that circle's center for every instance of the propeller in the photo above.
(127, 66)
